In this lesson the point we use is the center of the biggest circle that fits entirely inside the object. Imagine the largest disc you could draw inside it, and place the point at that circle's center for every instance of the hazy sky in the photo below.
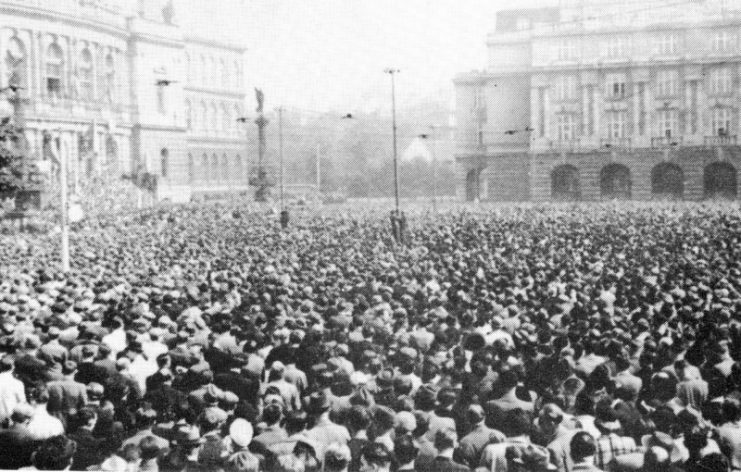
(330, 54)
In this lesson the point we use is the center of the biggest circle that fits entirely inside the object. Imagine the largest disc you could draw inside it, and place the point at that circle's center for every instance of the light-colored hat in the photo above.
(241, 432)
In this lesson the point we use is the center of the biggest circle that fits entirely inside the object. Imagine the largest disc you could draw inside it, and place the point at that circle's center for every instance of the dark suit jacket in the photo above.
(88, 449)
(16, 448)
(443, 464)
(66, 396)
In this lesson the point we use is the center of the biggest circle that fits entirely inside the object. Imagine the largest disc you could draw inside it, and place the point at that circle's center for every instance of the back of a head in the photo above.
(54, 453)
(242, 461)
(714, 462)
(516, 423)
(405, 449)
(445, 439)
(272, 414)
(377, 454)
(336, 457)
(582, 446)
(296, 421)
(731, 410)
(149, 448)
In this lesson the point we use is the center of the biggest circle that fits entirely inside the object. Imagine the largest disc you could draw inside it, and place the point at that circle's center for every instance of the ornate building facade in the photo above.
(605, 99)
(121, 87)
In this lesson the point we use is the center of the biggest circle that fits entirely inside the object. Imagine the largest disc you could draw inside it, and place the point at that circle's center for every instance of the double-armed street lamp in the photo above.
(392, 72)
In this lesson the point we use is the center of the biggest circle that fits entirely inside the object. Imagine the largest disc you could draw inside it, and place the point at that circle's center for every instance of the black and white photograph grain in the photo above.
(370, 235)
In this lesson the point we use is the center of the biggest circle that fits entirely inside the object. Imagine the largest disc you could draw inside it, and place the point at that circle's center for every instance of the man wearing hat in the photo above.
(12, 391)
(16, 444)
(375, 458)
(66, 396)
(325, 431)
(471, 445)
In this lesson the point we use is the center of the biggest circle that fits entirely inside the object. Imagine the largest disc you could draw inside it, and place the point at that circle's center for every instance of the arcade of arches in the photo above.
(668, 181)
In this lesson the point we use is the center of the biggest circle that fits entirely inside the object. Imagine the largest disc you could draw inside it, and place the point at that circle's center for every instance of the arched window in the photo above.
(227, 119)
(54, 70)
(164, 162)
(224, 74)
(213, 119)
(86, 75)
(215, 167)
(188, 115)
(15, 63)
(238, 170)
(225, 167)
(191, 168)
(203, 118)
(109, 80)
(203, 72)
(237, 76)
(204, 167)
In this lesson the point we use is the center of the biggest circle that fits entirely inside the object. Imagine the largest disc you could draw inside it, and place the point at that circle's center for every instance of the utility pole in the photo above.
(280, 152)
(65, 211)
(392, 73)
(434, 169)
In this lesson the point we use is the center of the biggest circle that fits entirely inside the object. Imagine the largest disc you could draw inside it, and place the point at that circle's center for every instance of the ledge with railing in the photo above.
(666, 141)
(723, 140)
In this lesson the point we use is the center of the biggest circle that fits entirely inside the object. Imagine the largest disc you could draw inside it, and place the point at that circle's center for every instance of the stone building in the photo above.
(604, 99)
(120, 86)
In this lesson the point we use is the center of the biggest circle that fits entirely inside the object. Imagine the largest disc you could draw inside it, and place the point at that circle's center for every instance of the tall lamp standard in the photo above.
(433, 137)
(392, 73)
(244, 120)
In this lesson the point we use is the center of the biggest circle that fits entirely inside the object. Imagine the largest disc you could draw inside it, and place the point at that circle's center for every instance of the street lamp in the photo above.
(392, 73)
(433, 137)
(245, 120)
(333, 145)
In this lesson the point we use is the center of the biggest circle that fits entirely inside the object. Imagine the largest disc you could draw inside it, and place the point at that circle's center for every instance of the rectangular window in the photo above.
(667, 44)
(161, 105)
(720, 122)
(616, 86)
(566, 88)
(617, 47)
(722, 41)
(566, 126)
(721, 81)
(668, 123)
(667, 83)
(567, 50)
(616, 124)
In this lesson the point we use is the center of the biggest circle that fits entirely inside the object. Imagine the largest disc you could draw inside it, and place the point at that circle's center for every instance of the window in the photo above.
(667, 83)
(668, 123)
(227, 120)
(202, 78)
(224, 74)
(566, 126)
(567, 50)
(617, 46)
(667, 44)
(204, 167)
(188, 115)
(720, 121)
(522, 24)
(188, 68)
(237, 76)
(164, 162)
(161, 99)
(203, 117)
(238, 171)
(215, 174)
(722, 41)
(616, 121)
(224, 167)
(213, 119)
(54, 70)
(566, 88)
(86, 75)
(191, 168)
(720, 80)
(616, 87)
(110, 78)
(15, 63)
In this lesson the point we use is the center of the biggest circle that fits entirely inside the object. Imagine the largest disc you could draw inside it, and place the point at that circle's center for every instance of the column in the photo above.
(535, 112)
(547, 111)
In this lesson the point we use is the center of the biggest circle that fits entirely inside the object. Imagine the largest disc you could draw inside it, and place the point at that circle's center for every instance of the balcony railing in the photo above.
(729, 140)
(666, 141)
(615, 143)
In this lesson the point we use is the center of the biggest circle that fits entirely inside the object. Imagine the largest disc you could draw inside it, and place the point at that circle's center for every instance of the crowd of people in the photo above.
(538, 338)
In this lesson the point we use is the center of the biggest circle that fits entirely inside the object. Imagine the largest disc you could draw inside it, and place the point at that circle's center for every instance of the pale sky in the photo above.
(320, 55)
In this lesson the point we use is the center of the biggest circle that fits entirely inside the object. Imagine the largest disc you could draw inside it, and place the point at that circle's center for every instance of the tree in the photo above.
(11, 160)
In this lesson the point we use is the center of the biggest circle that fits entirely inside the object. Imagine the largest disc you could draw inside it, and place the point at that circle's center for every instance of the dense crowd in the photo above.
(205, 337)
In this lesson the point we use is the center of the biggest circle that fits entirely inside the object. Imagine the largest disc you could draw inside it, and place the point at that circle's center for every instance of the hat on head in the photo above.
(241, 432)
(187, 436)
(318, 403)
(405, 421)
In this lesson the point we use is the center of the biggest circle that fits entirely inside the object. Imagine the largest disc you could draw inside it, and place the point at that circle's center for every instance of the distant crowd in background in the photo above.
(504, 339)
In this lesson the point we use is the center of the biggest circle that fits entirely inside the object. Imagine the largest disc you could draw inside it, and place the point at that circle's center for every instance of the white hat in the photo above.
(241, 432)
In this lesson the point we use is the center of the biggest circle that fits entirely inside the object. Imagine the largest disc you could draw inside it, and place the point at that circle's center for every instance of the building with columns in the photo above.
(604, 99)
(121, 87)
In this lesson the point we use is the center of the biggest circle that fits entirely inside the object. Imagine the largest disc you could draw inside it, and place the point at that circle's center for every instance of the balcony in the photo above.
(666, 141)
(615, 143)
(726, 140)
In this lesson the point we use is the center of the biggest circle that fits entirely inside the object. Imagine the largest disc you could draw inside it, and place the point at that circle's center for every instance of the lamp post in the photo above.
(392, 72)
(245, 119)
(433, 137)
